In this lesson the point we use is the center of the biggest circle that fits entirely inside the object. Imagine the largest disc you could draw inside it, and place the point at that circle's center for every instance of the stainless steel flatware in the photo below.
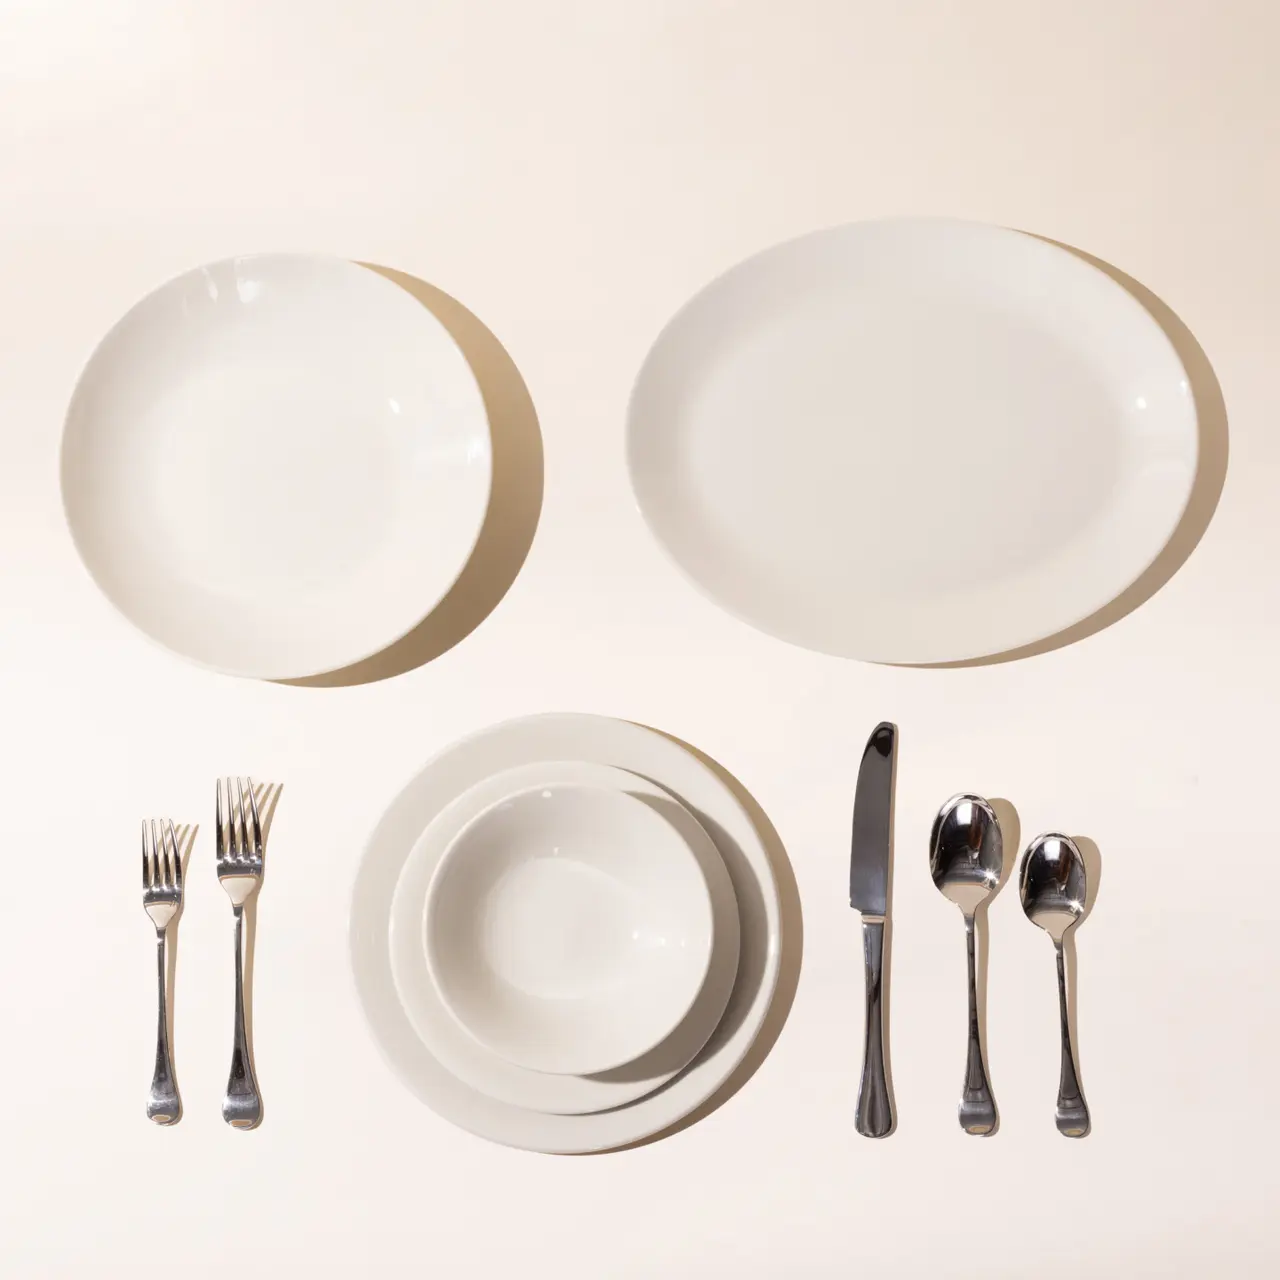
(240, 854)
(162, 900)
(1053, 885)
(869, 895)
(966, 858)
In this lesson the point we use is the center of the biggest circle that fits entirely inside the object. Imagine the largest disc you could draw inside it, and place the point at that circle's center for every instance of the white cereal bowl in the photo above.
(568, 929)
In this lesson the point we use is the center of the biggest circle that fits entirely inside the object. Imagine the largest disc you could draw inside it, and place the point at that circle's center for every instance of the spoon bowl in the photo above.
(1053, 884)
(966, 852)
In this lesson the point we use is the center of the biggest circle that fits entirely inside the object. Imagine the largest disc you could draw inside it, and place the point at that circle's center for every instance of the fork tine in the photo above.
(157, 855)
(175, 859)
(220, 825)
(257, 821)
(157, 867)
(239, 811)
(233, 834)
(146, 865)
(162, 857)
(233, 821)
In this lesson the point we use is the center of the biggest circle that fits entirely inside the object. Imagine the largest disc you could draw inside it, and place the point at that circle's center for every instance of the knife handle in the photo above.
(875, 1106)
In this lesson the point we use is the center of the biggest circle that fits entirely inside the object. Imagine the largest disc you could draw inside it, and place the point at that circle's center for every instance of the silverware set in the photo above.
(240, 848)
(966, 861)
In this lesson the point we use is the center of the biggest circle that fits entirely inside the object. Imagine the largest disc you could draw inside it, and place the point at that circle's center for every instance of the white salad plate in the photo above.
(535, 740)
(276, 465)
(568, 928)
(913, 441)
(485, 1071)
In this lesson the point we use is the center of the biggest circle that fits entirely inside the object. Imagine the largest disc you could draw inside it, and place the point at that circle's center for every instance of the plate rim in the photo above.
(1051, 249)
(726, 1058)
(250, 672)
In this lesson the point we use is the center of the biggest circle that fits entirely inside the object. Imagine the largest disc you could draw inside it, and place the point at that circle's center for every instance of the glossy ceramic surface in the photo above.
(459, 1052)
(568, 928)
(912, 441)
(276, 465)
(542, 739)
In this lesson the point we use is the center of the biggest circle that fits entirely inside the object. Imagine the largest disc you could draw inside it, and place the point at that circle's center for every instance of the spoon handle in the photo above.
(1073, 1111)
(977, 1107)
(875, 1106)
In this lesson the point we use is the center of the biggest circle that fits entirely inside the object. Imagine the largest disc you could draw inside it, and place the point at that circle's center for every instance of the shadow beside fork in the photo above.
(267, 795)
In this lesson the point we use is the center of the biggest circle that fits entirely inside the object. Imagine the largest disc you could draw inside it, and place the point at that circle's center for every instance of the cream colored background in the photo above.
(571, 173)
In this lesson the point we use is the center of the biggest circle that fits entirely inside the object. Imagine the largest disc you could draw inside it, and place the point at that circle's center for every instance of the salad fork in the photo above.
(239, 847)
(162, 900)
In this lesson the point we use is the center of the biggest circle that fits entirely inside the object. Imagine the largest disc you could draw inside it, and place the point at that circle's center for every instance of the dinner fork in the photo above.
(162, 900)
(239, 847)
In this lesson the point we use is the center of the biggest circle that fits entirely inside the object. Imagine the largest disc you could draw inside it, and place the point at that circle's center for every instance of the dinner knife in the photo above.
(869, 894)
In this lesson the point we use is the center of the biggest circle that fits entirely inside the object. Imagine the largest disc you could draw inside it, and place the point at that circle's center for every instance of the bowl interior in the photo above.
(569, 928)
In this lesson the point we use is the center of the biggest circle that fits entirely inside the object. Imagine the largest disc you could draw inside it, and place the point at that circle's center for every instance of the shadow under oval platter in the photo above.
(275, 465)
(914, 441)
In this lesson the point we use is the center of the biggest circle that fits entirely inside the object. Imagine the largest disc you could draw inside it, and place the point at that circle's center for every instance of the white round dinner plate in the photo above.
(276, 465)
(913, 441)
(594, 739)
(485, 1071)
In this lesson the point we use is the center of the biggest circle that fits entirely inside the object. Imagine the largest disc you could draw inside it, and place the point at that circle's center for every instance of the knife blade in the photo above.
(872, 821)
(869, 861)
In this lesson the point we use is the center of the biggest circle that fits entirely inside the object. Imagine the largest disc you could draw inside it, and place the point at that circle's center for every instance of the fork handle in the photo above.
(164, 1106)
(241, 1105)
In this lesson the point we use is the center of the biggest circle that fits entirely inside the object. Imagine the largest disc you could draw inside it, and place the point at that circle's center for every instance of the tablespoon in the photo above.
(966, 856)
(1053, 885)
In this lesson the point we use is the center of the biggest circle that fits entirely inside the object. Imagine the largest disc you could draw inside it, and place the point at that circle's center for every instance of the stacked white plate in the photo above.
(454, 941)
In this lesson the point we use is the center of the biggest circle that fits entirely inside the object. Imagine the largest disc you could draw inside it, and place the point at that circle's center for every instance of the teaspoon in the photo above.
(966, 856)
(1053, 886)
